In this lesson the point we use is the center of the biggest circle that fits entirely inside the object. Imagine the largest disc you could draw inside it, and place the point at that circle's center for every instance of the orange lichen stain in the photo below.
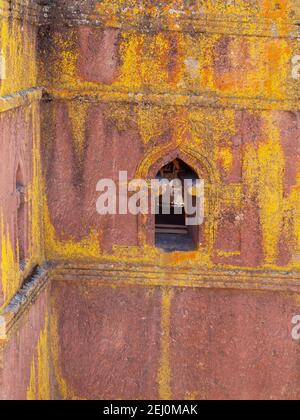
(12, 276)
(39, 383)
(278, 54)
(226, 158)
(295, 9)
(164, 372)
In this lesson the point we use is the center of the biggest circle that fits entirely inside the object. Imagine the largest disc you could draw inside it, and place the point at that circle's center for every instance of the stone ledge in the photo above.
(20, 303)
(19, 99)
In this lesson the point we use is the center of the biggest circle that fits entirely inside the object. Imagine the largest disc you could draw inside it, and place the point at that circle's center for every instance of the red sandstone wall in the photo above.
(130, 90)
(19, 138)
(243, 223)
(72, 175)
(19, 146)
(151, 342)
(25, 367)
(124, 91)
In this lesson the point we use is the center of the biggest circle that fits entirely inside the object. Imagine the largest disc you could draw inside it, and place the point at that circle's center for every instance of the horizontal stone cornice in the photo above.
(172, 99)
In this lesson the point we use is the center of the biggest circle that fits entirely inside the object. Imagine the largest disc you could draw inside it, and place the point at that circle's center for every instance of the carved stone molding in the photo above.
(25, 10)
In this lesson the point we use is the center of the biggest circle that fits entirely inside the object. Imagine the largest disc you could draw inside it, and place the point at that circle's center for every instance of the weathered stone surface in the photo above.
(130, 86)
(25, 369)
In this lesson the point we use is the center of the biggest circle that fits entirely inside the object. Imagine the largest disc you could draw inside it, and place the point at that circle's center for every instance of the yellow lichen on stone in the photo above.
(71, 249)
(65, 392)
(43, 364)
(39, 383)
(275, 9)
(18, 45)
(55, 356)
(171, 9)
(263, 175)
(77, 114)
(292, 205)
(65, 64)
(164, 372)
(35, 192)
(10, 277)
(32, 388)
(130, 51)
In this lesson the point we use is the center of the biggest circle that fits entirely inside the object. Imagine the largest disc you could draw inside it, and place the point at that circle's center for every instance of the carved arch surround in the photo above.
(204, 168)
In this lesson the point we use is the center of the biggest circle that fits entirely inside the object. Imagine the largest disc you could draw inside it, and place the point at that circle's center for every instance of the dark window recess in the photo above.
(171, 230)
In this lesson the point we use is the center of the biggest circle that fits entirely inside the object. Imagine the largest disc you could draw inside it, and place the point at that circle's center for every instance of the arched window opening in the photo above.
(172, 230)
(21, 218)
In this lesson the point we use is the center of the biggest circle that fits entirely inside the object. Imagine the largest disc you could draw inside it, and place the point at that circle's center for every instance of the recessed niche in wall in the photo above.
(172, 230)
(21, 218)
